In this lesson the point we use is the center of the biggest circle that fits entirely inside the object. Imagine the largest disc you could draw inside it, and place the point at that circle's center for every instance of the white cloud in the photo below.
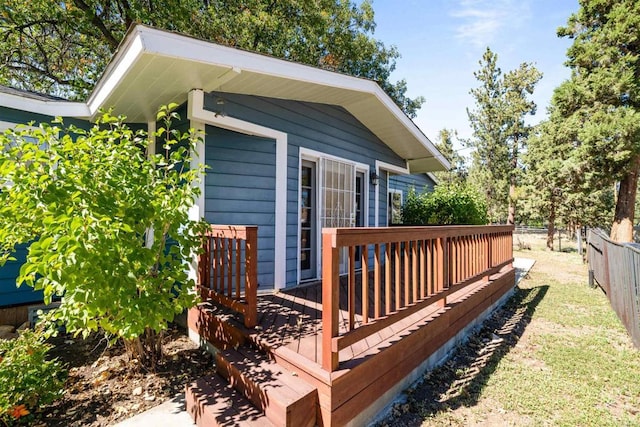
(482, 21)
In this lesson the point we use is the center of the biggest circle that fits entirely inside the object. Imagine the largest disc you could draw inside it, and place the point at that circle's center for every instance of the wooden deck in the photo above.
(383, 327)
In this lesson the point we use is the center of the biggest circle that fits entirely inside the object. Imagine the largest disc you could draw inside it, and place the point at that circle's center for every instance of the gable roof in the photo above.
(155, 67)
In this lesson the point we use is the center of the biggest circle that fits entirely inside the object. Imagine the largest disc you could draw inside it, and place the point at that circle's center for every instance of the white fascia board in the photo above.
(184, 47)
(391, 168)
(196, 112)
(433, 178)
(124, 59)
(47, 108)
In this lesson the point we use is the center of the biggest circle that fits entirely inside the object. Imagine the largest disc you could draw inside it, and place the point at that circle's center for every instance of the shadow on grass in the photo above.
(460, 381)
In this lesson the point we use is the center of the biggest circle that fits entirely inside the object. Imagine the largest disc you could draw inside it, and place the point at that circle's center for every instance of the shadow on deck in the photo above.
(289, 332)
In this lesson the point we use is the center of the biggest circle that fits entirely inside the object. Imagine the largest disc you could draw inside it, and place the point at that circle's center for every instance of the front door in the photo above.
(308, 221)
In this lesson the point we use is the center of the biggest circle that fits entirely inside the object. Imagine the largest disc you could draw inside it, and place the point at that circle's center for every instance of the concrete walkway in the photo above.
(173, 413)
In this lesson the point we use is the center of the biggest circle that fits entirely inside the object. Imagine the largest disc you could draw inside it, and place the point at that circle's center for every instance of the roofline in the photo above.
(51, 108)
(141, 39)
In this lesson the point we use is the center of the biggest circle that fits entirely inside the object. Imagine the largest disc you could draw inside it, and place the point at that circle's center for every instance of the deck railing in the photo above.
(228, 269)
(616, 268)
(409, 267)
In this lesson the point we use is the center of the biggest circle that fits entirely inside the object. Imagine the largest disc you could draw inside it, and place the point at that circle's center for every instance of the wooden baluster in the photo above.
(251, 276)
(330, 301)
(423, 266)
(414, 270)
(352, 287)
(216, 262)
(238, 262)
(397, 284)
(376, 282)
(365, 284)
(387, 278)
(229, 269)
(407, 291)
(440, 267)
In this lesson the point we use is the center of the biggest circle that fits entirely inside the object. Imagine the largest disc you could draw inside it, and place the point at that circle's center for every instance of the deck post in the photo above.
(251, 273)
(330, 299)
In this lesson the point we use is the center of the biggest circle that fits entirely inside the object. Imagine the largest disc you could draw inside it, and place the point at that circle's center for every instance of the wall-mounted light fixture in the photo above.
(374, 178)
(220, 107)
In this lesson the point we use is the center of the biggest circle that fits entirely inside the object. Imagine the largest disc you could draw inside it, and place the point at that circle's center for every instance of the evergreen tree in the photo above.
(601, 102)
(458, 171)
(499, 132)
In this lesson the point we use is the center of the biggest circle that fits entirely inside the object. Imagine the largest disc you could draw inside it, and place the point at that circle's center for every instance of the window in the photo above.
(394, 213)
(338, 194)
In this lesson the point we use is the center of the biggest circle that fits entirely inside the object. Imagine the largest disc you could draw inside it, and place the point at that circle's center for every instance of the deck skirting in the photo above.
(363, 387)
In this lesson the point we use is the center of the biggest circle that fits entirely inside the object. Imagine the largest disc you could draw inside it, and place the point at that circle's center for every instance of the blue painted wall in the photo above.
(9, 293)
(240, 189)
(420, 182)
(249, 177)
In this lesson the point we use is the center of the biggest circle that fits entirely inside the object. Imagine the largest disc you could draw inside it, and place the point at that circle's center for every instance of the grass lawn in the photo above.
(555, 355)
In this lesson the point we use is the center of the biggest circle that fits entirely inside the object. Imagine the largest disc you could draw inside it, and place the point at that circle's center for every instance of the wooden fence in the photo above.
(616, 269)
(411, 268)
(228, 269)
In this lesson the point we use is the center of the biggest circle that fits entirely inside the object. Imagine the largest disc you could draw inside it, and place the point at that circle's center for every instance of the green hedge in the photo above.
(448, 204)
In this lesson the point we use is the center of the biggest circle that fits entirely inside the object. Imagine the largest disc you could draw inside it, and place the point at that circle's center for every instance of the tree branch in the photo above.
(95, 20)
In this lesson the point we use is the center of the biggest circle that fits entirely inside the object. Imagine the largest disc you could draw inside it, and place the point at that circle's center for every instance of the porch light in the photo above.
(374, 178)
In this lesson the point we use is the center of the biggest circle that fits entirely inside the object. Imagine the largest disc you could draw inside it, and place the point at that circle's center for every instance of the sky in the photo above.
(441, 42)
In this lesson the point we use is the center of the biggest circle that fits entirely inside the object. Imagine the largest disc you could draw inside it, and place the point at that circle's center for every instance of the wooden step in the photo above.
(216, 325)
(285, 399)
(211, 401)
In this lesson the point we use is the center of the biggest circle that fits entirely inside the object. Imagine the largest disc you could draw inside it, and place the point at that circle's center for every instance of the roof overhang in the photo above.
(53, 108)
(154, 67)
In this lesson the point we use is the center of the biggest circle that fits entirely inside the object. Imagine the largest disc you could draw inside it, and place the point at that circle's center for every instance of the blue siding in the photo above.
(324, 128)
(10, 294)
(240, 189)
(420, 182)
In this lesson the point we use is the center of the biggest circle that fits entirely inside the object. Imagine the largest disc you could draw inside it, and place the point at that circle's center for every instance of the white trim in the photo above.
(399, 170)
(142, 40)
(388, 167)
(196, 213)
(48, 108)
(315, 156)
(11, 125)
(433, 178)
(151, 151)
(394, 191)
(196, 111)
(309, 154)
(122, 62)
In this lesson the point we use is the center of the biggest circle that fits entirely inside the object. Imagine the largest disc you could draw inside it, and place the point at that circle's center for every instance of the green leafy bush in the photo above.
(85, 202)
(27, 379)
(448, 204)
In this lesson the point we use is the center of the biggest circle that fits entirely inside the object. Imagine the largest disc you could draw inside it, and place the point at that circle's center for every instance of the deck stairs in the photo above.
(249, 387)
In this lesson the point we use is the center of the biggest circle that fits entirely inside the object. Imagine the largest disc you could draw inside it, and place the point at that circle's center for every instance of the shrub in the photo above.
(27, 379)
(448, 204)
(85, 201)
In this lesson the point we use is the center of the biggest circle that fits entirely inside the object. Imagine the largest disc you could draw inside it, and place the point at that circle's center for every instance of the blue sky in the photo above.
(441, 42)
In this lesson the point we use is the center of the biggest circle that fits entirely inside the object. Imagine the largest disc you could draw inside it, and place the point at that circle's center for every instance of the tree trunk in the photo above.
(551, 228)
(146, 350)
(622, 228)
(512, 203)
(511, 219)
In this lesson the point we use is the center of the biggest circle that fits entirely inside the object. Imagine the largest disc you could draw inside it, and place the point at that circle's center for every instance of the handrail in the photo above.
(412, 267)
(223, 275)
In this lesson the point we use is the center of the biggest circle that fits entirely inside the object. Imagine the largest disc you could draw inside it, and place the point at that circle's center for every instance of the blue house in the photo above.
(316, 163)
(290, 148)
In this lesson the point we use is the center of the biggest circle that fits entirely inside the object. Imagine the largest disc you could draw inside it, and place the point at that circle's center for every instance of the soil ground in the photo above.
(103, 389)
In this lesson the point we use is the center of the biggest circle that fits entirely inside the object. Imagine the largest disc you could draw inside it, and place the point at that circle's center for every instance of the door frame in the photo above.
(314, 156)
